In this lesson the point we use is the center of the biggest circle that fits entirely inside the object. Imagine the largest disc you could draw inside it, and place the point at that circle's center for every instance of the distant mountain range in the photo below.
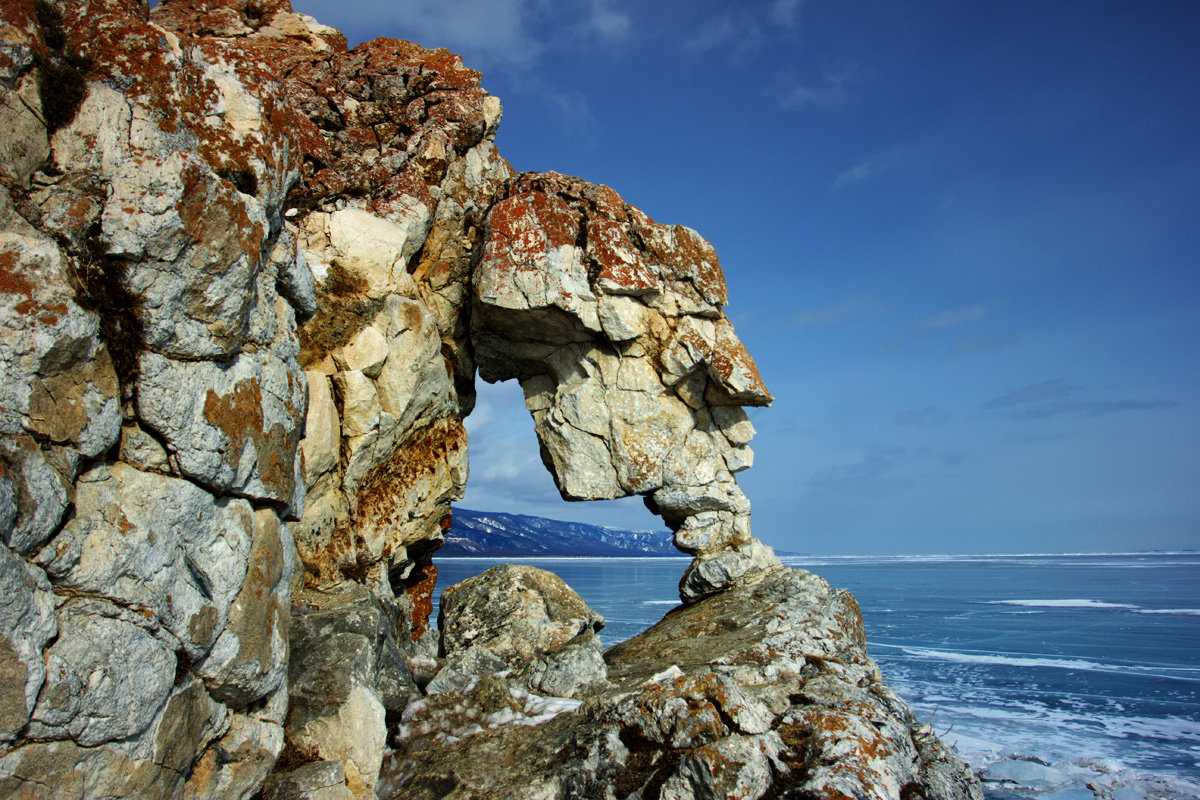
(493, 533)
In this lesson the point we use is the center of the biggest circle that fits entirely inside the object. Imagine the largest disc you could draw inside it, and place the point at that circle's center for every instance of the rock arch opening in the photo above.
(508, 475)
(614, 326)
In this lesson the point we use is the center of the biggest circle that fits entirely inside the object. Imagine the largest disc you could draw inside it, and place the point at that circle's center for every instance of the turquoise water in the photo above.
(1071, 658)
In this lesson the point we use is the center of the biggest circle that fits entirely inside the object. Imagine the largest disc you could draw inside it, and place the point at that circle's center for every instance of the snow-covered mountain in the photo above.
(493, 533)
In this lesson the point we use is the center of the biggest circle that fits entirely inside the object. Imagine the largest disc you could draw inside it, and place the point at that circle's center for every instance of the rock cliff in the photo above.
(247, 278)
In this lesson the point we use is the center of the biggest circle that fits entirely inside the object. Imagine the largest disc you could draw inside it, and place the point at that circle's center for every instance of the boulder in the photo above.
(517, 612)
(122, 703)
(316, 780)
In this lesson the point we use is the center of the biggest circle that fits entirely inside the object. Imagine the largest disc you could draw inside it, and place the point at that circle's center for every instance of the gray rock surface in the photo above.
(27, 624)
(517, 612)
(155, 543)
(351, 674)
(522, 622)
(614, 326)
(83, 698)
(764, 689)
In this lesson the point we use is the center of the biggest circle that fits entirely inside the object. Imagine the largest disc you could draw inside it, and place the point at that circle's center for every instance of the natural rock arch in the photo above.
(614, 326)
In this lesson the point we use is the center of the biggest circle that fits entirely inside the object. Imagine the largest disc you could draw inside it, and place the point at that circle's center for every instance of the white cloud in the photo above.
(832, 314)
(606, 22)
(737, 33)
(485, 32)
(828, 92)
(742, 31)
(862, 170)
(507, 473)
(488, 34)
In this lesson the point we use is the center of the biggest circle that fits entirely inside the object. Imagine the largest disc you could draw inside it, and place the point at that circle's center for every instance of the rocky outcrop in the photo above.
(247, 278)
(762, 690)
(614, 326)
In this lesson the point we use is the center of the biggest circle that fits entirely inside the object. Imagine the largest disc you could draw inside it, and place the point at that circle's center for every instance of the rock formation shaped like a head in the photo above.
(614, 326)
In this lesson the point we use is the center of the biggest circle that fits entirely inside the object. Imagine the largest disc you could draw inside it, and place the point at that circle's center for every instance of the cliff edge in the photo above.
(247, 278)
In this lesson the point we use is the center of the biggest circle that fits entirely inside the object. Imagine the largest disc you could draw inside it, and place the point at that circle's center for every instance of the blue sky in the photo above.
(961, 240)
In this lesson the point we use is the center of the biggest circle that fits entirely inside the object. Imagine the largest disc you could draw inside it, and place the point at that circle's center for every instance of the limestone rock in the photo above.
(249, 659)
(622, 362)
(235, 766)
(27, 623)
(140, 449)
(157, 544)
(58, 378)
(360, 403)
(123, 702)
(351, 732)
(322, 429)
(517, 612)
(293, 276)
(378, 248)
(346, 672)
(463, 668)
(521, 622)
(233, 426)
(192, 242)
(316, 780)
(571, 670)
(365, 353)
(24, 143)
(150, 767)
(206, 175)
(763, 689)
(41, 480)
(732, 767)
(708, 575)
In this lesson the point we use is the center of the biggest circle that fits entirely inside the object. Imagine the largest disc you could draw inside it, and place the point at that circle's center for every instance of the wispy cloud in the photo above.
(1055, 398)
(1089, 408)
(979, 345)
(744, 30)
(954, 317)
(940, 334)
(503, 451)
(1055, 389)
(832, 314)
(785, 13)
(828, 92)
(864, 169)
(738, 32)
(607, 22)
(871, 476)
(489, 34)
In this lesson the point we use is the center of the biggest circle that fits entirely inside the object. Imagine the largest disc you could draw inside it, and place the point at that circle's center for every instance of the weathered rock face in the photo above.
(247, 276)
(764, 689)
(614, 326)
(153, 406)
(522, 620)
